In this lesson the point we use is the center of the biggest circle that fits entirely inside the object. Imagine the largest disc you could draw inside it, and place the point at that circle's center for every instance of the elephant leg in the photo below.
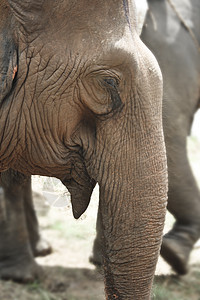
(16, 257)
(96, 257)
(40, 246)
(184, 204)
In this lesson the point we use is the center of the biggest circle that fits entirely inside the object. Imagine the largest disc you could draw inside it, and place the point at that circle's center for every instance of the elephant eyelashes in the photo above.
(112, 82)
(112, 87)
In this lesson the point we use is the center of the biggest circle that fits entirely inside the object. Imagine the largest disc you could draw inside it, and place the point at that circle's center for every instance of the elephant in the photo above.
(81, 100)
(179, 59)
(177, 50)
(19, 227)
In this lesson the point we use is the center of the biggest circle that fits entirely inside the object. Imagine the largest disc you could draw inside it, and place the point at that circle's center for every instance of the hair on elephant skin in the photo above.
(176, 47)
(81, 100)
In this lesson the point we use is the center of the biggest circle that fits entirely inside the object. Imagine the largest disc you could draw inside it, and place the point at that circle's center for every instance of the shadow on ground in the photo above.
(173, 287)
(57, 283)
(60, 283)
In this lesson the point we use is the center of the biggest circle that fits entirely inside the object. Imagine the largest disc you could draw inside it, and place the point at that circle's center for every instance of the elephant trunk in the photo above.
(132, 208)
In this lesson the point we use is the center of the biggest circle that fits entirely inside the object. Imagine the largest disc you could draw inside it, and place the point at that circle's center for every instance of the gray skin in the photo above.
(19, 227)
(81, 100)
(179, 58)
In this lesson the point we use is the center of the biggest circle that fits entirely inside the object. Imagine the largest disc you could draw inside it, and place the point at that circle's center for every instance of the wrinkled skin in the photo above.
(81, 101)
(179, 59)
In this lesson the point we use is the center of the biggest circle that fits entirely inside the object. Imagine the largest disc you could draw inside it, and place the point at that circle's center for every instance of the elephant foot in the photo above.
(21, 272)
(176, 250)
(42, 248)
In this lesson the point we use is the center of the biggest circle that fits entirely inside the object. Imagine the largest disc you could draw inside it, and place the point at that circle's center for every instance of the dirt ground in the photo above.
(68, 275)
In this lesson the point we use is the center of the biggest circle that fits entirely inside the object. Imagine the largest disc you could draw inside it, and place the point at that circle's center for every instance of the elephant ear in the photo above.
(27, 12)
(8, 56)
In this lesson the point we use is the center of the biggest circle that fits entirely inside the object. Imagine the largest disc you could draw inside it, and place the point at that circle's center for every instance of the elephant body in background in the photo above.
(177, 49)
(81, 100)
(178, 53)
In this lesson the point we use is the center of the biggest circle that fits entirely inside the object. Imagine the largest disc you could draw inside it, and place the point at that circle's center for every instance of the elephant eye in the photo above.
(101, 93)
(111, 82)
(112, 87)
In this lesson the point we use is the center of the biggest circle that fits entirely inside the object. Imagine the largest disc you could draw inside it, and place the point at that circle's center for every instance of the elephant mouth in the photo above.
(80, 186)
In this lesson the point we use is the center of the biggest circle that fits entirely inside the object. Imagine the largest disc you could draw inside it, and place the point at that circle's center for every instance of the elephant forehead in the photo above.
(78, 34)
(88, 21)
(80, 50)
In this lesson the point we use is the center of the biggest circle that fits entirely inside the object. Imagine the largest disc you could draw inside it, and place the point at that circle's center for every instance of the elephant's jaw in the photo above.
(80, 193)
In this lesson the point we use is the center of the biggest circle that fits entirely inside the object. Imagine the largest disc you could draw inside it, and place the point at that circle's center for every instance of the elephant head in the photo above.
(81, 100)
